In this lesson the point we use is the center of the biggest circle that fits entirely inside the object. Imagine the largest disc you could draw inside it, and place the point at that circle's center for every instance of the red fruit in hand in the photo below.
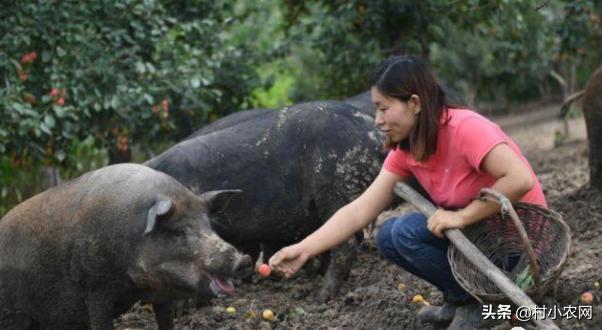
(264, 270)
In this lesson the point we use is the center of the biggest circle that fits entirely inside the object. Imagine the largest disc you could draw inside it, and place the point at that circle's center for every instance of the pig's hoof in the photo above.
(183, 307)
(247, 279)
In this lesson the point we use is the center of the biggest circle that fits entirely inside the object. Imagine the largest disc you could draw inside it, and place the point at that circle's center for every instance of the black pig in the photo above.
(296, 166)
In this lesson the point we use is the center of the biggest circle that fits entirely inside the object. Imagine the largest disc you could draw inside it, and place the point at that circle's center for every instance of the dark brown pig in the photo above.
(79, 254)
(591, 106)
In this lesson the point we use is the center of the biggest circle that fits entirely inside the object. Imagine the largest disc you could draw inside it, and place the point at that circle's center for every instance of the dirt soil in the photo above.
(370, 298)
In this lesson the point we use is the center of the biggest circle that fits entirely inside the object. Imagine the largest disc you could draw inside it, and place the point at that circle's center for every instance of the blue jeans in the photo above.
(408, 243)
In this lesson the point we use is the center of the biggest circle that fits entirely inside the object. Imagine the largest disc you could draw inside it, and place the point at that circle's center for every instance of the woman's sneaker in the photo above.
(437, 314)
(470, 317)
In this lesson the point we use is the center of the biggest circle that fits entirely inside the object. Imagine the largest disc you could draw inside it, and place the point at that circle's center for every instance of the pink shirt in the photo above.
(452, 176)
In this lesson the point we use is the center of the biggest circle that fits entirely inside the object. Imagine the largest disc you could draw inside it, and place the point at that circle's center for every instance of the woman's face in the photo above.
(394, 117)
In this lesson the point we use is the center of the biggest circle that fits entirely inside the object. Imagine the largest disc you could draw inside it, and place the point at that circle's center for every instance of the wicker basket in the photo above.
(538, 238)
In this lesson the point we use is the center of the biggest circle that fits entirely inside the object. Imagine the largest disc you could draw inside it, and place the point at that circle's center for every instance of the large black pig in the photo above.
(296, 167)
(77, 255)
(230, 120)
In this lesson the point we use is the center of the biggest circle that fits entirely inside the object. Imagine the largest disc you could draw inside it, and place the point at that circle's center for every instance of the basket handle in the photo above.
(488, 194)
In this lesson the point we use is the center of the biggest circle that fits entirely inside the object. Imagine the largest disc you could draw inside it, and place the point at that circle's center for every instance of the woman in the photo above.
(453, 153)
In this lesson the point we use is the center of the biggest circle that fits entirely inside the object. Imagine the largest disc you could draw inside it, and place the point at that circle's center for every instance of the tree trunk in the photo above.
(50, 177)
(120, 156)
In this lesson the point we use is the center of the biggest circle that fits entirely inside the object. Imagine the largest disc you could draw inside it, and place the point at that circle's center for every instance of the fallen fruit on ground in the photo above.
(231, 310)
(418, 298)
(587, 298)
(268, 315)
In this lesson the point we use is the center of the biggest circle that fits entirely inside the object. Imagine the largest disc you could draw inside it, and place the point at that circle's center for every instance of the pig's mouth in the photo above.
(221, 286)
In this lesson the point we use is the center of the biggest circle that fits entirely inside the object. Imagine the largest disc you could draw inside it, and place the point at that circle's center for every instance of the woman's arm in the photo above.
(343, 224)
(513, 179)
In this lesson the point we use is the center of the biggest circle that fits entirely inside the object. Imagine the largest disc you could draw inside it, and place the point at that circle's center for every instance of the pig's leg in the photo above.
(340, 264)
(324, 259)
(100, 305)
(341, 257)
(164, 316)
(16, 321)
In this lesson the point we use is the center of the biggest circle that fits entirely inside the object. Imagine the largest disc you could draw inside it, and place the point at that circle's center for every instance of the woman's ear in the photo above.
(415, 103)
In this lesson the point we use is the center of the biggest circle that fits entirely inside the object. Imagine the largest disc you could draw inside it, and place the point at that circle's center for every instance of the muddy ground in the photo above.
(370, 299)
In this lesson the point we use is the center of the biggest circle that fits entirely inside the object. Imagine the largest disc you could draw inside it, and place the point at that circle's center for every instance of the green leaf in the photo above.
(61, 52)
(148, 98)
(151, 67)
(298, 311)
(60, 111)
(114, 102)
(524, 279)
(60, 155)
(140, 67)
(18, 107)
(46, 56)
(195, 83)
(49, 121)
(44, 128)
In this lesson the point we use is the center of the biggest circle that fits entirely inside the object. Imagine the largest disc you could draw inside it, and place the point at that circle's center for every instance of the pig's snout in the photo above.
(243, 267)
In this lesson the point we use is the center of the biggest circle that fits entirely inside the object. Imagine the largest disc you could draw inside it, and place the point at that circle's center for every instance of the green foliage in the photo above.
(80, 81)
(261, 25)
(22, 178)
(579, 30)
(495, 50)
(274, 93)
(118, 71)
(489, 50)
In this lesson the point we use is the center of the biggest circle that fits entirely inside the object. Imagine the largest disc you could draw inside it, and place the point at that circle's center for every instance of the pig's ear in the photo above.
(161, 208)
(217, 200)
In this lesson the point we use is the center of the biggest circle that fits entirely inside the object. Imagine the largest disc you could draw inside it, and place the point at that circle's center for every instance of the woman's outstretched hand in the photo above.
(288, 260)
